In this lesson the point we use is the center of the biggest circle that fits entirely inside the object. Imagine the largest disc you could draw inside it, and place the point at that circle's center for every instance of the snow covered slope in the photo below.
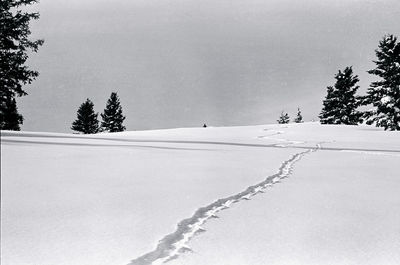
(143, 197)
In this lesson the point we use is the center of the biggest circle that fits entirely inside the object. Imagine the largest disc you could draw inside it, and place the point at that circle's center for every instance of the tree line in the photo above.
(284, 117)
(341, 105)
(112, 118)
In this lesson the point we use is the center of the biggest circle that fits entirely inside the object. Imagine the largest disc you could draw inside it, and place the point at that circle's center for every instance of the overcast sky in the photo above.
(182, 63)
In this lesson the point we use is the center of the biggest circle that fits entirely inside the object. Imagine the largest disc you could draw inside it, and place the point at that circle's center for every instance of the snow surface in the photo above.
(386, 99)
(276, 194)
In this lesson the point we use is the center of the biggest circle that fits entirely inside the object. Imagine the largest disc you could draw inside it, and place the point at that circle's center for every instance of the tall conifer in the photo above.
(384, 95)
(86, 121)
(15, 48)
(341, 103)
(112, 115)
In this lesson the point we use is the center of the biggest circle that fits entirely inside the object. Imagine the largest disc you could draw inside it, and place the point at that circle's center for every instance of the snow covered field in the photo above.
(111, 198)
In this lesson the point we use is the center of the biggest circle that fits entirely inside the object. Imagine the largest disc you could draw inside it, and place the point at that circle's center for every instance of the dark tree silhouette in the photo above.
(299, 117)
(10, 118)
(112, 115)
(14, 48)
(384, 95)
(284, 118)
(341, 103)
(86, 121)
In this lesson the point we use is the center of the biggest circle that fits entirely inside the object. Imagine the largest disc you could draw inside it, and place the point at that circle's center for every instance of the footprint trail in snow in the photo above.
(175, 243)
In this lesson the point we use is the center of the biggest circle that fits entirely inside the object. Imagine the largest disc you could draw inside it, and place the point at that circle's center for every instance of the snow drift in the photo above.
(109, 198)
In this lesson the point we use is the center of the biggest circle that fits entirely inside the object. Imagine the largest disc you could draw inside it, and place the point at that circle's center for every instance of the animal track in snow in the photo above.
(174, 244)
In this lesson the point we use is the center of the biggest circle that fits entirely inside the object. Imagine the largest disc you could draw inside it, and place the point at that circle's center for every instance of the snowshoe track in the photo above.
(174, 244)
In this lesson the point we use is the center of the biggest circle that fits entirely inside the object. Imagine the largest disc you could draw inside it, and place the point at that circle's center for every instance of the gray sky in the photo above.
(182, 63)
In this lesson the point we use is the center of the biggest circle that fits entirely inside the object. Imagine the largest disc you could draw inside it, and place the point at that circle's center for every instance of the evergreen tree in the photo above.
(284, 118)
(341, 103)
(299, 117)
(86, 121)
(10, 118)
(14, 49)
(384, 95)
(112, 116)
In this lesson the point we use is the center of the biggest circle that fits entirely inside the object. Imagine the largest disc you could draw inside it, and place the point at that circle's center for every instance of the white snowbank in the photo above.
(335, 209)
(109, 198)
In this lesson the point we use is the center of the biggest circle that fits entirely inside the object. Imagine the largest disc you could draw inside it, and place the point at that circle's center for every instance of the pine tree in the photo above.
(299, 117)
(15, 47)
(10, 118)
(112, 116)
(384, 95)
(284, 118)
(86, 121)
(341, 103)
